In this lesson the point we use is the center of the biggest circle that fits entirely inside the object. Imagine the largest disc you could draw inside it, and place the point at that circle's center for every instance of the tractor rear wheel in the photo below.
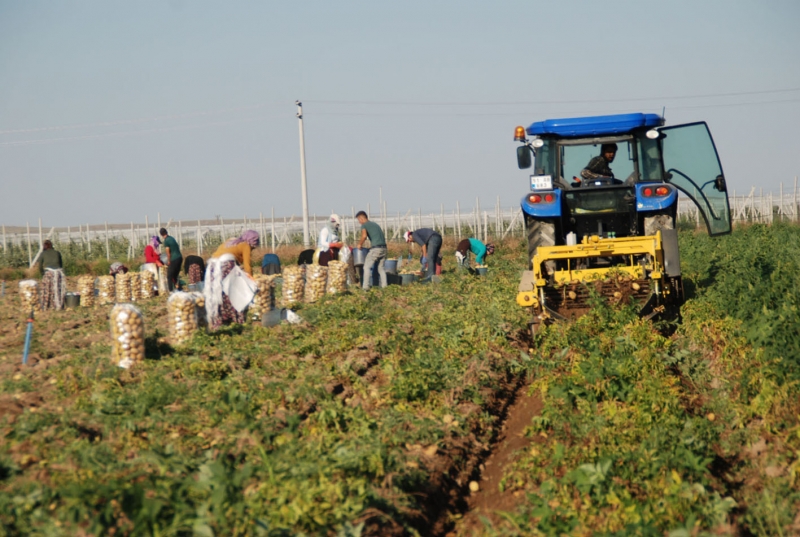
(540, 233)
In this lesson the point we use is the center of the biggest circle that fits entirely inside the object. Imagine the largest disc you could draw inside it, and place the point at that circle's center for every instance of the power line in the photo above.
(517, 113)
(129, 133)
(136, 121)
(576, 101)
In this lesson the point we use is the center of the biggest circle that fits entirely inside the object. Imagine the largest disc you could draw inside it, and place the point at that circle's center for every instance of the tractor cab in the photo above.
(652, 163)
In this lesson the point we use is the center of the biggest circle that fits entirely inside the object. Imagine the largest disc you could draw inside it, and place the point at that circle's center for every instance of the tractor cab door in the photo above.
(692, 164)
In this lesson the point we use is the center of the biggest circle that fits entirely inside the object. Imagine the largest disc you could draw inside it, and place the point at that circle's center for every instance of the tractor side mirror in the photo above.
(719, 184)
(524, 157)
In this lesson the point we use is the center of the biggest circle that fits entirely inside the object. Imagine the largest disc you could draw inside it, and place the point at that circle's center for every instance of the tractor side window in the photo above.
(546, 160)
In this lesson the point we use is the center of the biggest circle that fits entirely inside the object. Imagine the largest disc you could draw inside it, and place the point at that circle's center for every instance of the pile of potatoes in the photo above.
(182, 316)
(29, 296)
(136, 286)
(337, 277)
(123, 287)
(106, 290)
(127, 335)
(148, 284)
(316, 281)
(264, 300)
(86, 290)
(293, 284)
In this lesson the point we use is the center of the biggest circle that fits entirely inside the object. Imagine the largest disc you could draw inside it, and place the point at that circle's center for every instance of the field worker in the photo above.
(117, 268)
(476, 247)
(270, 264)
(54, 284)
(431, 243)
(174, 257)
(151, 254)
(195, 268)
(377, 250)
(599, 166)
(219, 309)
(329, 241)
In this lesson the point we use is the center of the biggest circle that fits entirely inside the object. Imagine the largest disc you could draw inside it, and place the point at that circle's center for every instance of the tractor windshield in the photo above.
(566, 159)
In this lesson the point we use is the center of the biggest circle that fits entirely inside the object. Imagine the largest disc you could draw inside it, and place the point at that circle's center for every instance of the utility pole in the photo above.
(304, 186)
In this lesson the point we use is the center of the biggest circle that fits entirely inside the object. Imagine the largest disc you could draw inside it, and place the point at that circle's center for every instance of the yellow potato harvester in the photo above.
(640, 274)
(592, 233)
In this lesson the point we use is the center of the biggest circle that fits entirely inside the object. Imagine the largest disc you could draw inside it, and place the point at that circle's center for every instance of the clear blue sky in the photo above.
(111, 110)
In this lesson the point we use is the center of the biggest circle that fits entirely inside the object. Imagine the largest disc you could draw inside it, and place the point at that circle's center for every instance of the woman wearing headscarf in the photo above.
(152, 261)
(219, 309)
(329, 241)
(151, 254)
(54, 288)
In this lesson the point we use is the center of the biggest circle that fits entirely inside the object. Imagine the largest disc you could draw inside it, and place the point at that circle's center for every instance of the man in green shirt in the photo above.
(377, 251)
(174, 256)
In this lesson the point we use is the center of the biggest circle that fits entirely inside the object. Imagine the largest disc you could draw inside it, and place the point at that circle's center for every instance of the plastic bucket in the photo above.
(390, 266)
(271, 318)
(481, 271)
(196, 287)
(72, 300)
(406, 279)
(359, 256)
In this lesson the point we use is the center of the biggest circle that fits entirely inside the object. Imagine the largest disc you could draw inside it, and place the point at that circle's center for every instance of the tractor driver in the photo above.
(598, 167)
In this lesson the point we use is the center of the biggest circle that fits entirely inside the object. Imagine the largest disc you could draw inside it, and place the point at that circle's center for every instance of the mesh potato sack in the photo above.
(293, 284)
(163, 286)
(107, 292)
(123, 287)
(148, 284)
(264, 300)
(86, 290)
(337, 277)
(136, 285)
(316, 281)
(200, 309)
(182, 316)
(127, 335)
(29, 296)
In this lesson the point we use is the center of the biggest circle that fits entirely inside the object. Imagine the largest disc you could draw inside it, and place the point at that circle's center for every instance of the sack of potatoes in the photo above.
(264, 299)
(316, 281)
(29, 296)
(106, 288)
(122, 283)
(148, 284)
(86, 290)
(337, 277)
(182, 317)
(163, 285)
(127, 335)
(293, 284)
(136, 286)
(200, 309)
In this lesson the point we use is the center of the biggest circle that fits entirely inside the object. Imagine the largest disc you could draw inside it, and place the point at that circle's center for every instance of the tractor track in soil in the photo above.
(456, 510)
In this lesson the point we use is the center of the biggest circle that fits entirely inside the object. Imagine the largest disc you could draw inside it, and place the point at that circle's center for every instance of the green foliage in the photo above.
(647, 435)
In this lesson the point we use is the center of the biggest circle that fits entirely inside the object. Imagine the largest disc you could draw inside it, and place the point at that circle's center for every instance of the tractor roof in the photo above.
(595, 125)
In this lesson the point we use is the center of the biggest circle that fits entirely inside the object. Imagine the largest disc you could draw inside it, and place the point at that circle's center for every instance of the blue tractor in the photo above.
(602, 210)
